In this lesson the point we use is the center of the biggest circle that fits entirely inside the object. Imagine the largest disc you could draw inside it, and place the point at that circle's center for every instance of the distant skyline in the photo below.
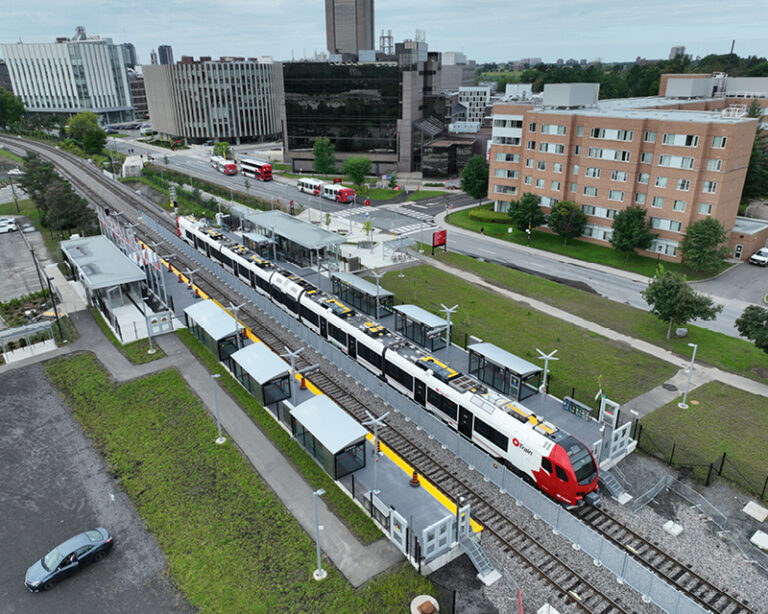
(485, 30)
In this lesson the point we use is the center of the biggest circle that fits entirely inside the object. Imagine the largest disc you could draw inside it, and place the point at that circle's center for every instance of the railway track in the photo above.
(572, 586)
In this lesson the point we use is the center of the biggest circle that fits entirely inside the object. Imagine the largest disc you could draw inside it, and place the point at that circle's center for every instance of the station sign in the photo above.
(438, 238)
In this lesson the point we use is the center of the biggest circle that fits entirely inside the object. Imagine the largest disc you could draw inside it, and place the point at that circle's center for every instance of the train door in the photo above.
(420, 392)
(323, 328)
(465, 422)
(352, 347)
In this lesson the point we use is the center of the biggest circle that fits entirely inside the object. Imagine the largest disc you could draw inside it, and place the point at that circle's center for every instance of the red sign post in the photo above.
(438, 238)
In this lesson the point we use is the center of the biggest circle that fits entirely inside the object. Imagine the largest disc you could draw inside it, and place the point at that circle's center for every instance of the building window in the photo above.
(675, 226)
(577, 150)
(527, 180)
(657, 202)
(573, 187)
(687, 162)
(714, 164)
(616, 195)
(506, 140)
(579, 130)
(552, 129)
(649, 137)
(646, 157)
(643, 178)
(531, 145)
(618, 175)
(539, 183)
(541, 165)
(665, 160)
(592, 172)
(640, 198)
(718, 142)
(624, 135)
(661, 182)
(590, 190)
(679, 205)
(529, 163)
(683, 140)
(556, 186)
(557, 167)
(622, 155)
(594, 152)
(710, 187)
(575, 169)
(705, 209)
(597, 133)
(504, 189)
(588, 209)
(683, 184)
(532, 127)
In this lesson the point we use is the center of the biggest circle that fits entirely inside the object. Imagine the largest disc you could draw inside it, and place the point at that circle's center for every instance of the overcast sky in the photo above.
(486, 30)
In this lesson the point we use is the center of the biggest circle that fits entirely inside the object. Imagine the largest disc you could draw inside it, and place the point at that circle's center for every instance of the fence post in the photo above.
(722, 462)
(765, 485)
(353, 486)
(709, 474)
(672, 455)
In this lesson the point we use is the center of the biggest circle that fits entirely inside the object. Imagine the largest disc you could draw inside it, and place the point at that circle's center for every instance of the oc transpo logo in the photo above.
(517, 444)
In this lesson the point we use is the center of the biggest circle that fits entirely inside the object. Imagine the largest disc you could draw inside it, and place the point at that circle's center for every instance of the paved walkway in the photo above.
(356, 562)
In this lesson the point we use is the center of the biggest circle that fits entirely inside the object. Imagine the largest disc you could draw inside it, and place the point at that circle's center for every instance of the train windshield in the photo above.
(581, 460)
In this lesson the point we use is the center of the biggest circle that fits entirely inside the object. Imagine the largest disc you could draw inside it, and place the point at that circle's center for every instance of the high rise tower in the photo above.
(349, 25)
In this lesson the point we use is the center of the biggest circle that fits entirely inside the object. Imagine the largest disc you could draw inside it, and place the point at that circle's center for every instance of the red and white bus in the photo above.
(228, 167)
(258, 169)
(337, 192)
(310, 186)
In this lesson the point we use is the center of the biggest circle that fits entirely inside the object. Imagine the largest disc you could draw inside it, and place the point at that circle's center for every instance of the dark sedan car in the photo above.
(67, 558)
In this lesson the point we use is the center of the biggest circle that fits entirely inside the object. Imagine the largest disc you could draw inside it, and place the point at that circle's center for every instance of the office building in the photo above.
(5, 77)
(456, 71)
(138, 94)
(236, 101)
(475, 101)
(682, 156)
(677, 51)
(153, 57)
(83, 73)
(349, 26)
(130, 54)
(165, 54)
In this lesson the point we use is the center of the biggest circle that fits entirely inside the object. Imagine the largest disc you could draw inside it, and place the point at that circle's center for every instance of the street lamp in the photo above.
(448, 311)
(292, 356)
(378, 276)
(319, 573)
(234, 309)
(683, 404)
(546, 358)
(220, 439)
(376, 422)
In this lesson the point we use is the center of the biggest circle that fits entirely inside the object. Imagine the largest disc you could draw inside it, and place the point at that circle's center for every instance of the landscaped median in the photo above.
(230, 543)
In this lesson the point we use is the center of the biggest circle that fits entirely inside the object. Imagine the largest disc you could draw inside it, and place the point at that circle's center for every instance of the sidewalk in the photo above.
(356, 562)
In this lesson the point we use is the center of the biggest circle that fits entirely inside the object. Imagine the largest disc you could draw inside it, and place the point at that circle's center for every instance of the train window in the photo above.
(449, 408)
(290, 304)
(309, 315)
(337, 333)
(369, 355)
(491, 434)
(546, 464)
(400, 376)
(560, 472)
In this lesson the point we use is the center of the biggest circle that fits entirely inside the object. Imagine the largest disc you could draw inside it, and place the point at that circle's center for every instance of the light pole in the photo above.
(189, 274)
(234, 309)
(375, 422)
(274, 245)
(683, 404)
(378, 276)
(546, 358)
(319, 573)
(448, 311)
(292, 356)
(220, 439)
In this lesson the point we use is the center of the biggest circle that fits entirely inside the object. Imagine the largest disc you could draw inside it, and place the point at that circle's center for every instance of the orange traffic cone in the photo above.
(179, 275)
(415, 479)
(303, 383)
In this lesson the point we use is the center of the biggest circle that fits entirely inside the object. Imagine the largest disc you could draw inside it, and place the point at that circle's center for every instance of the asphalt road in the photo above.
(55, 485)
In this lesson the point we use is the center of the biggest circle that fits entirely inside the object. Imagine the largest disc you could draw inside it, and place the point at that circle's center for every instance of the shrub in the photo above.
(487, 214)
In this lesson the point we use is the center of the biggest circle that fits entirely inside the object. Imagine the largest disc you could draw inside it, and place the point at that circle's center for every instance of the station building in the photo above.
(682, 155)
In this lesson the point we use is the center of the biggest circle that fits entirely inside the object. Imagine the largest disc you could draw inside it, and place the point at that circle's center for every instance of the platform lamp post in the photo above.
(378, 276)
(319, 573)
(220, 439)
(189, 274)
(546, 358)
(274, 245)
(683, 404)
(448, 311)
(234, 309)
(376, 422)
(292, 356)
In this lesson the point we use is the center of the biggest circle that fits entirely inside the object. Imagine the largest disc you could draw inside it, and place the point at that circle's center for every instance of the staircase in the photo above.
(614, 487)
(487, 574)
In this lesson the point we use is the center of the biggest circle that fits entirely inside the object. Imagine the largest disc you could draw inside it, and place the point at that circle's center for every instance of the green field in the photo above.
(575, 248)
(424, 194)
(584, 356)
(11, 156)
(719, 419)
(719, 350)
(231, 545)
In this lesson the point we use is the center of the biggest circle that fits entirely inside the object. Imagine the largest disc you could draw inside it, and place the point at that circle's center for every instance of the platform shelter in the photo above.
(262, 373)
(214, 328)
(259, 243)
(333, 438)
(511, 375)
(362, 294)
(421, 326)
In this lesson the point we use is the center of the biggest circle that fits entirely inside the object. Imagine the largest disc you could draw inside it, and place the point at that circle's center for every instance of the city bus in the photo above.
(258, 169)
(228, 167)
(310, 186)
(337, 192)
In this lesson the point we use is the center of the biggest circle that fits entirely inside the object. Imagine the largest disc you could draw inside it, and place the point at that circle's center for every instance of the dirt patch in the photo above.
(758, 208)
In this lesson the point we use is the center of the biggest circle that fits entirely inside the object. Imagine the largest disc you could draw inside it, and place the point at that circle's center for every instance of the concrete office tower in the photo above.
(236, 101)
(349, 25)
(676, 51)
(165, 54)
(153, 58)
(84, 73)
(130, 54)
(682, 157)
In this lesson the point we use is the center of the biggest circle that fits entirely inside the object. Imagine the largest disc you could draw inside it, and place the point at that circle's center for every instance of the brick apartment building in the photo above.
(682, 157)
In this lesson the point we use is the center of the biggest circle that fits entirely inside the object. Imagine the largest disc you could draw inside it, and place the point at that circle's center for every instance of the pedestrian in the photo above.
(482, 230)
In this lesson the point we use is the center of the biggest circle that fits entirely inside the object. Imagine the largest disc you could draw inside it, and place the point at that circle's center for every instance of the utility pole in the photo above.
(376, 422)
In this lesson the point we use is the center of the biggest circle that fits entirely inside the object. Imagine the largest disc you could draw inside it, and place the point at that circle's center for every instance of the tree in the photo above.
(84, 130)
(703, 244)
(392, 181)
(94, 141)
(753, 324)
(323, 150)
(672, 300)
(11, 108)
(221, 149)
(474, 178)
(247, 184)
(631, 230)
(38, 175)
(567, 219)
(526, 213)
(756, 180)
(356, 168)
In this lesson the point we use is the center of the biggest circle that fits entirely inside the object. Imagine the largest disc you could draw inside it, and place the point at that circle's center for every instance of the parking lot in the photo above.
(55, 485)
(18, 272)
(744, 282)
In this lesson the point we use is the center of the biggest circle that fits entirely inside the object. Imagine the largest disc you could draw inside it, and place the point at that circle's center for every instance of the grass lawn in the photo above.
(722, 351)
(7, 154)
(135, 351)
(575, 248)
(725, 419)
(423, 194)
(381, 194)
(230, 543)
(584, 356)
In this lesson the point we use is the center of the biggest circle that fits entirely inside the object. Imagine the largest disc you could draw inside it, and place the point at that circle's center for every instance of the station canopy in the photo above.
(100, 263)
(362, 285)
(502, 358)
(293, 229)
(261, 363)
(422, 316)
(334, 428)
(216, 322)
